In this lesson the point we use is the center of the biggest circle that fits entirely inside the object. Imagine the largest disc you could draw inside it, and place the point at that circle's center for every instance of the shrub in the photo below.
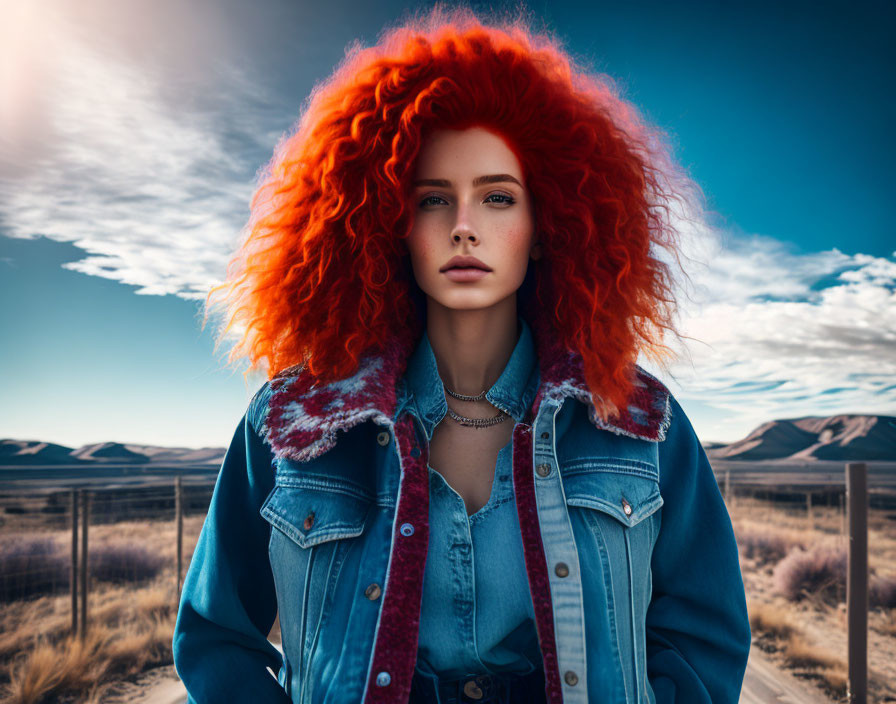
(38, 566)
(764, 545)
(820, 571)
(882, 592)
(124, 562)
(32, 566)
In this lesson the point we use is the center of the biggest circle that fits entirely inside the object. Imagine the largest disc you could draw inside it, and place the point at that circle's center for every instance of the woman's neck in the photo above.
(472, 347)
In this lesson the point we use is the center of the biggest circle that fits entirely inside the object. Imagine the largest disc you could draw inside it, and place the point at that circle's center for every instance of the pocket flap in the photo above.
(330, 514)
(629, 494)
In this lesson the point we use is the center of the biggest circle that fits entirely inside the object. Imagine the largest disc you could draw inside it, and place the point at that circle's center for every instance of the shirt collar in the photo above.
(513, 391)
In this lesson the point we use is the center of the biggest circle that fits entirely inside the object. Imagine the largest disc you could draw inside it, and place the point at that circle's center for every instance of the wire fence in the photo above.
(72, 540)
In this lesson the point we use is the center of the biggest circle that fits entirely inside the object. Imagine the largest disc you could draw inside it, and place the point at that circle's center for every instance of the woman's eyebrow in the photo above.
(478, 181)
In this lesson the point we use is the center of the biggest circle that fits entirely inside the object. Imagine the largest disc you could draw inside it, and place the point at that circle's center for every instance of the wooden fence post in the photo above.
(73, 580)
(842, 512)
(809, 517)
(85, 511)
(179, 519)
(857, 582)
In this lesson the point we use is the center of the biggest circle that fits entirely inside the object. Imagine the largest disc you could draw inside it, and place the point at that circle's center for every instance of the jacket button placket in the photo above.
(560, 550)
(392, 660)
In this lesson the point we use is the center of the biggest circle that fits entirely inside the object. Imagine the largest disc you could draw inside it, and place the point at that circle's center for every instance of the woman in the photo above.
(458, 485)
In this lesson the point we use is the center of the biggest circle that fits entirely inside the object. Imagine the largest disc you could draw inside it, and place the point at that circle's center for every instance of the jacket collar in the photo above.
(303, 417)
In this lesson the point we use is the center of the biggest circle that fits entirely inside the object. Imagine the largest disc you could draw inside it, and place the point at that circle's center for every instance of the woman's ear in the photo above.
(536, 251)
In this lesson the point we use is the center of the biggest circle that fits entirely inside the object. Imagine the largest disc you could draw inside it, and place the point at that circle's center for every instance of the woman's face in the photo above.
(469, 200)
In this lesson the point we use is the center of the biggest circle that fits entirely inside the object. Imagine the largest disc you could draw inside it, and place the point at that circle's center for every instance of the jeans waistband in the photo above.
(479, 689)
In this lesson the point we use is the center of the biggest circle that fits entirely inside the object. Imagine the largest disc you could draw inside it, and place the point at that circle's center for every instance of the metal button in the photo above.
(406, 529)
(545, 435)
(571, 677)
(373, 592)
(415, 452)
(383, 678)
(472, 690)
(309, 521)
(561, 569)
(383, 438)
(627, 507)
(543, 470)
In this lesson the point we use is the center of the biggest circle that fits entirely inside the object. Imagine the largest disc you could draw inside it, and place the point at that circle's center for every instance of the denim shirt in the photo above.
(477, 615)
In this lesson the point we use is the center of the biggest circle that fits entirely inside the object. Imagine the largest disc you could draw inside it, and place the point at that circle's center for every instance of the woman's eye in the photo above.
(505, 199)
(508, 199)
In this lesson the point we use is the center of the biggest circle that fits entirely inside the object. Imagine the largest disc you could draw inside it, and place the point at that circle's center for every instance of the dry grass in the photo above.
(793, 632)
(129, 629)
(770, 620)
(775, 630)
(886, 625)
(130, 625)
(135, 639)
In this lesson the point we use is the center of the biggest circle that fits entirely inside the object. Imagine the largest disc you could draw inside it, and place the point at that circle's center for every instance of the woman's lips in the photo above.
(462, 274)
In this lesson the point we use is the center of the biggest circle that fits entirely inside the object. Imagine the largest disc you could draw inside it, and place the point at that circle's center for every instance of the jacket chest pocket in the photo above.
(315, 522)
(619, 503)
(614, 508)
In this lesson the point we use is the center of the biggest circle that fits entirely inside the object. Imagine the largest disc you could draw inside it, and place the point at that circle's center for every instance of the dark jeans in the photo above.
(480, 689)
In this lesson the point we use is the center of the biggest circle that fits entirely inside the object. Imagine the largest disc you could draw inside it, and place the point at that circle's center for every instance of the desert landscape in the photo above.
(787, 511)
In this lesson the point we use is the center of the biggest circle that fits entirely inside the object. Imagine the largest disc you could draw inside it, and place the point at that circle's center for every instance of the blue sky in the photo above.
(132, 132)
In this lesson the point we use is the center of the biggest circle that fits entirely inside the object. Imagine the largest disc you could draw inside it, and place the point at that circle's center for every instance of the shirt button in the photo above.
(373, 592)
(406, 529)
(382, 679)
(561, 569)
(415, 452)
(383, 438)
(571, 677)
(543, 470)
(472, 689)
(309, 521)
(627, 507)
(545, 435)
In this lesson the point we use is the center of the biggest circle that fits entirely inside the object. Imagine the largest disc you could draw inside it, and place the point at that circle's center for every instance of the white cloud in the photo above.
(145, 176)
(782, 334)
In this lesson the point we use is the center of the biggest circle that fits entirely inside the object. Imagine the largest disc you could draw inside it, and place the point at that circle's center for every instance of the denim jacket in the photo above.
(320, 512)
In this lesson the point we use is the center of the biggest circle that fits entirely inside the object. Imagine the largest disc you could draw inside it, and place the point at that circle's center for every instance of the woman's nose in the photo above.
(460, 235)
(464, 227)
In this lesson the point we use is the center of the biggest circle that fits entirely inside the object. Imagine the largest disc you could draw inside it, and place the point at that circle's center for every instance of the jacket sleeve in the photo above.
(698, 629)
(228, 603)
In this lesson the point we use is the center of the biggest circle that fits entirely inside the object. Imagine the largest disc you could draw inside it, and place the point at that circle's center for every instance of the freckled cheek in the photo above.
(516, 238)
(423, 253)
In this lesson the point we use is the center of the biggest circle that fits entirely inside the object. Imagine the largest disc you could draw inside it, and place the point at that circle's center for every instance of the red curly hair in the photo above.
(323, 274)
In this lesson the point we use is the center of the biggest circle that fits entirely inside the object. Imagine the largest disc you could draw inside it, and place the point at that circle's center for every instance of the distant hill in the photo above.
(109, 452)
(840, 438)
(34, 452)
(25, 452)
